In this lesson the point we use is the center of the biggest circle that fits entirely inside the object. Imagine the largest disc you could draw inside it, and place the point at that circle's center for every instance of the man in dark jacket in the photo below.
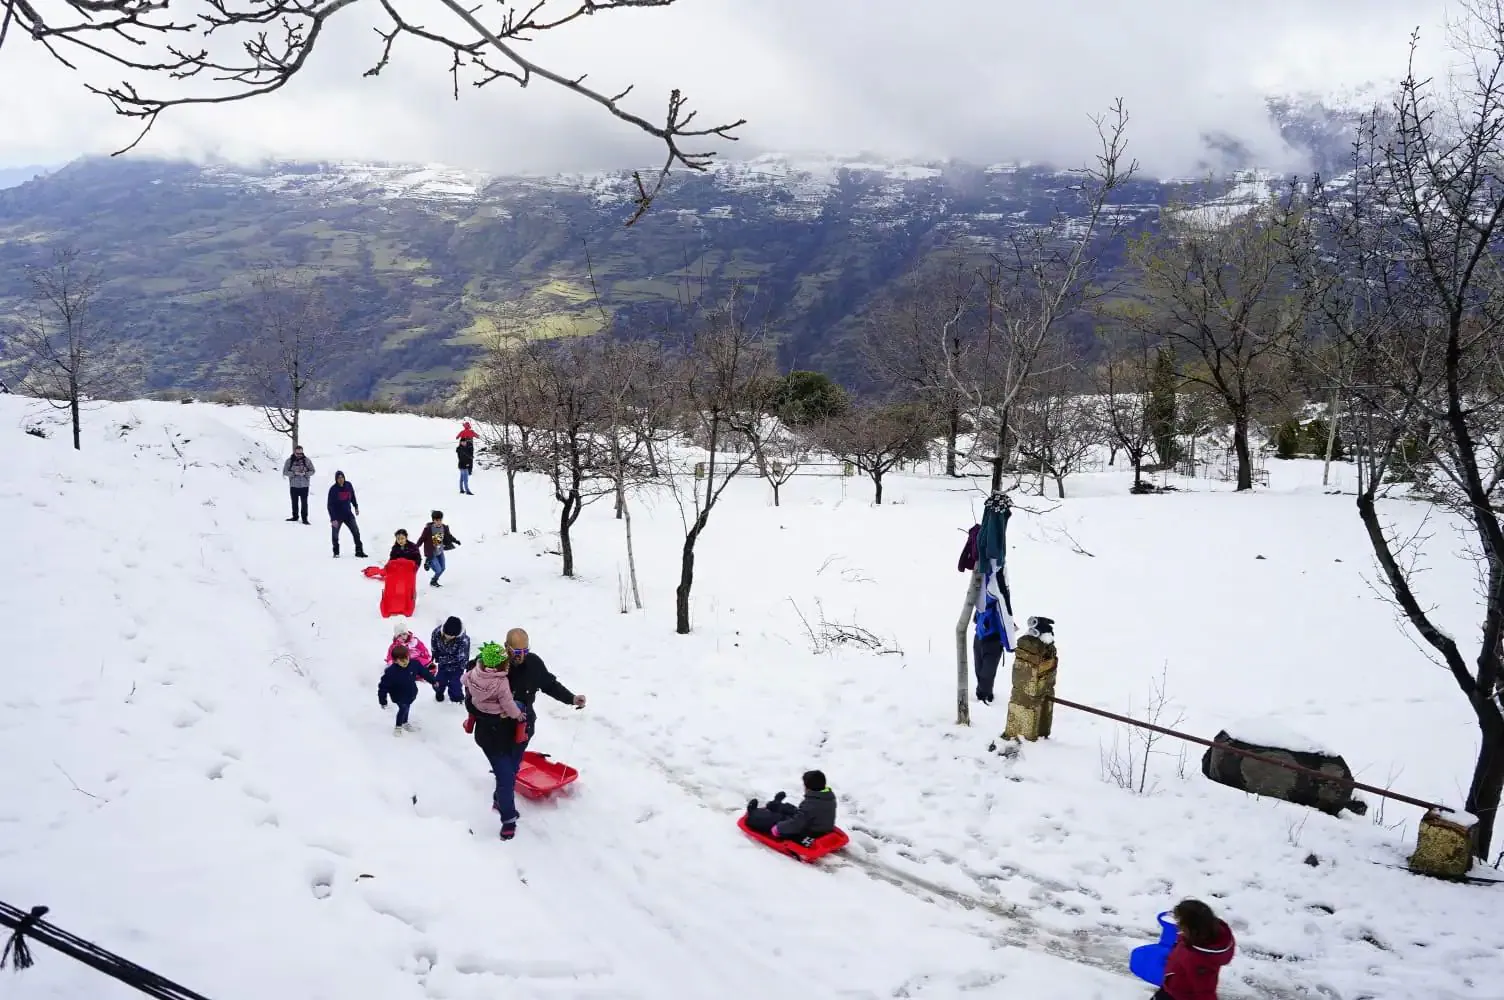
(814, 817)
(436, 540)
(497, 736)
(298, 470)
(343, 506)
(466, 452)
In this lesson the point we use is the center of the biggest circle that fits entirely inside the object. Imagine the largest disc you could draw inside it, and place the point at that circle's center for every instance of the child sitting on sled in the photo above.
(811, 818)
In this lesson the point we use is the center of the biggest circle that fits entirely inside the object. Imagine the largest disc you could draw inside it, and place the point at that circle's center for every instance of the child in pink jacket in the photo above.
(402, 634)
(488, 687)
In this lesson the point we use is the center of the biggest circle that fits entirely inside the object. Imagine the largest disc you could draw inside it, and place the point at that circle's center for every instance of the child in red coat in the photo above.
(1203, 945)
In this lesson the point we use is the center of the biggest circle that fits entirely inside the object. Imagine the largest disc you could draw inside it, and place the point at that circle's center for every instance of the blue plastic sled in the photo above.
(1148, 962)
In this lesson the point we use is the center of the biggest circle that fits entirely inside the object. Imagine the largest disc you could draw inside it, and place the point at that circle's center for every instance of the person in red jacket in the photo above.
(1203, 946)
(466, 433)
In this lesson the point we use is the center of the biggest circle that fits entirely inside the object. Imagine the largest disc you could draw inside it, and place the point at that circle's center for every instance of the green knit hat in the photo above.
(491, 654)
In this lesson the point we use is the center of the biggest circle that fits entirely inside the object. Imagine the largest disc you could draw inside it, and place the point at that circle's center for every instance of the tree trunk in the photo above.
(297, 416)
(512, 494)
(952, 432)
(963, 631)
(1488, 774)
(1001, 458)
(73, 412)
(652, 459)
(686, 578)
(1138, 469)
(626, 521)
(1240, 445)
(1112, 453)
(1060, 484)
(877, 486)
(568, 511)
(776, 488)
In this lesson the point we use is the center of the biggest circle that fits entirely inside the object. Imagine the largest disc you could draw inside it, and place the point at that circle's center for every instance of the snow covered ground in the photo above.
(199, 777)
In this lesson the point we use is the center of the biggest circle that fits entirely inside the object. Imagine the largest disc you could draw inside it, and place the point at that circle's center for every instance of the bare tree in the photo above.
(875, 439)
(562, 385)
(1411, 257)
(781, 452)
(505, 424)
(1044, 277)
(724, 386)
(1224, 290)
(639, 393)
(67, 358)
(1125, 380)
(233, 50)
(915, 341)
(292, 342)
(1056, 426)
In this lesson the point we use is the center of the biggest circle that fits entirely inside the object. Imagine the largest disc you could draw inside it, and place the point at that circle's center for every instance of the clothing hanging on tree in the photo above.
(992, 557)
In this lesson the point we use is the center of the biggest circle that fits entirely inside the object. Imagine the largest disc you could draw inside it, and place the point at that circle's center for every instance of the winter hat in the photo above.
(814, 781)
(400, 628)
(453, 627)
(492, 655)
(339, 475)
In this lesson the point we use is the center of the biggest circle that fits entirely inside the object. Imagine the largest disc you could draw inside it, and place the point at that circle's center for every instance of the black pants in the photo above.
(1161, 995)
(987, 653)
(299, 501)
(764, 818)
(348, 522)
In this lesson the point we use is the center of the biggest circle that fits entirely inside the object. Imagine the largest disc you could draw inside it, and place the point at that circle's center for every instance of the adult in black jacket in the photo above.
(497, 736)
(465, 451)
(343, 506)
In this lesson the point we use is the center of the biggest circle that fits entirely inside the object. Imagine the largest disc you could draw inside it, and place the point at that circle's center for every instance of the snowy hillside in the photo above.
(200, 777)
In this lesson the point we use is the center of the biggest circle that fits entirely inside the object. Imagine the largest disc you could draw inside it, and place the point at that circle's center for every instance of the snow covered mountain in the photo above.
(420, 255)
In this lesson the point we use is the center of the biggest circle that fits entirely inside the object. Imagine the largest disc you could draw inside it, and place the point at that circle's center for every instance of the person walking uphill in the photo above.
(343, 506)
(500, 740)
(399, 682)
(1203, 945)
(299, 471)
(451, 653)
(466, 452)
(436, 539)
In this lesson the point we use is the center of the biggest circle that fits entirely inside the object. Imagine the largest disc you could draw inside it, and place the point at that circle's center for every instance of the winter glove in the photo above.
(425, 563)
(383, 702)
(774, 830)
(469, 724)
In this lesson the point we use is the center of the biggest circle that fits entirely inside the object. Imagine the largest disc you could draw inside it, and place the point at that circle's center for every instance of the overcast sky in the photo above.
(982, 80)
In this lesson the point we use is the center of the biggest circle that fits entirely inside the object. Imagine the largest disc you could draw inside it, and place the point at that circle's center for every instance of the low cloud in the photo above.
(981, 80)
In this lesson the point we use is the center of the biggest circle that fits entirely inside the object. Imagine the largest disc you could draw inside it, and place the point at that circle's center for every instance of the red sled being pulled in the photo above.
(809, 850)
(399, 590)
(538, 777)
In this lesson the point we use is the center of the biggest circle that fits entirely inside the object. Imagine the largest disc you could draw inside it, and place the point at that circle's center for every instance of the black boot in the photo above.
(359, 554)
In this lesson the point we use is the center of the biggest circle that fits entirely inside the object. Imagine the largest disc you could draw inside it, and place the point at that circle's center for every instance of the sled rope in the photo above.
(29, 924)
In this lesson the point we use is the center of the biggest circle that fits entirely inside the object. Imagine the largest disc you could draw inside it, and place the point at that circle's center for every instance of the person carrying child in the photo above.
(399, 682)
(451, 652)
(499, 726)
(814, 817)
(1203, 945)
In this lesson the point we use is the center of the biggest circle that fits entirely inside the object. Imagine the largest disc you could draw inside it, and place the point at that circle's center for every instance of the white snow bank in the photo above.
(1268, 731)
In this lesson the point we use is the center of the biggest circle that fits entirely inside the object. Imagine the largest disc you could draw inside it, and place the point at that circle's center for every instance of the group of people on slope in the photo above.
(498, 687)
(430, 550)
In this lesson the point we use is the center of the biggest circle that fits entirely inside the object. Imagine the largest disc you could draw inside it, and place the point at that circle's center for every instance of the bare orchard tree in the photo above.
(1423, 224)
(1224, 291)
(146, 56)
(725, 382)
(1056, 426)
(562, 384)
(1125, 382)
(65, 354)
(638, 385)
(781, 451)
(926, 332)
(877, 438)
(506, 423)
(1033, 288)
(292, 342)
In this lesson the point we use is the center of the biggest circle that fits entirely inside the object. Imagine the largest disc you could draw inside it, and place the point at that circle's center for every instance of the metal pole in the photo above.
(1297, 768)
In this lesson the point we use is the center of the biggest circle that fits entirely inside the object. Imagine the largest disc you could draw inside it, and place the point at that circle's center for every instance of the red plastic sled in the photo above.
(399, 594)
(539, 777)
(808, 853)
(374, 573)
